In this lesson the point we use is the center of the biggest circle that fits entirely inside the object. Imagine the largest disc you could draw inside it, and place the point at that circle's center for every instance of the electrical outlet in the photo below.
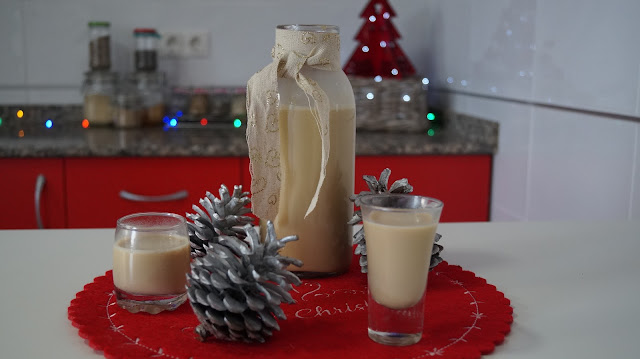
(197, 44)
(185, 44)
(172, 43)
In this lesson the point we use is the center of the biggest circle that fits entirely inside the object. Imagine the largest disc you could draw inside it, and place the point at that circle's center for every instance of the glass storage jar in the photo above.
(99, 88)
(127, 109)
(146, 53)
(99, 45)
(313, 112)
(152, 89)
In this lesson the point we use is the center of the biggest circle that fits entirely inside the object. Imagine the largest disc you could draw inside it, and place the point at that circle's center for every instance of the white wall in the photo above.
(505, 60)
(525, 64)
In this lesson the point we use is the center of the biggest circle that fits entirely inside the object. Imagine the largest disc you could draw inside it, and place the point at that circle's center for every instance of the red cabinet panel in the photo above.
(463, 183)
(18, 177)
(94, 185)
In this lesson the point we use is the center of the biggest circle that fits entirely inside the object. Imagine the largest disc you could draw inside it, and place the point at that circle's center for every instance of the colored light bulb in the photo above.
(204, 122)
(237, 123)
(431, 116)
(85, 123)
(48, 124)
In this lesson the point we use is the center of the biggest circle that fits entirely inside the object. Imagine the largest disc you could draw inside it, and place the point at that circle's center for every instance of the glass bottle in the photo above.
(146, 53)
(324, 237)
(98, 89)
(99, 45)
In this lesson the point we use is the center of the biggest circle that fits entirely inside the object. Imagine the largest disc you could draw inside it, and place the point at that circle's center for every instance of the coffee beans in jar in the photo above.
(99, 46)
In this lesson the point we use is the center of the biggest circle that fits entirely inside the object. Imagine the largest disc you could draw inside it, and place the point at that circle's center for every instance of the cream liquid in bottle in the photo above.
(324, 237)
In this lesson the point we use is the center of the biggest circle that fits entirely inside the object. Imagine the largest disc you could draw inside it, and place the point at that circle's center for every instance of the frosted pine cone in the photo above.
(220, 216)
(237, 287)
(376, 187)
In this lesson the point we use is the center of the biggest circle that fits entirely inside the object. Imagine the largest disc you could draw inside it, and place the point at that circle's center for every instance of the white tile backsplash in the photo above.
(447, 40)
(581, 166)
(12, 96)
(501, 55)
(510, 164)
(587, 54)
(242, 34)
(68, 96)
(12, 69)
(634, 208)
(56, 41)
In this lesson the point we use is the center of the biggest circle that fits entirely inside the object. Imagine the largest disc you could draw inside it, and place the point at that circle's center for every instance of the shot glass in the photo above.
(399, 230)
(151, 256)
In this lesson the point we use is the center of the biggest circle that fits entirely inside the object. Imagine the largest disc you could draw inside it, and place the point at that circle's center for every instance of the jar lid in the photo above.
(99, 24)
(145, 31)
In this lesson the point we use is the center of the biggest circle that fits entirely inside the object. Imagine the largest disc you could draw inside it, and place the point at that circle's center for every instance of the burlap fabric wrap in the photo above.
(293, 50)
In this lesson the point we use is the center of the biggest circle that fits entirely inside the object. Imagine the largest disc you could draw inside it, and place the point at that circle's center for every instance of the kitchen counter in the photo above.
(460, 135)
(573, 286)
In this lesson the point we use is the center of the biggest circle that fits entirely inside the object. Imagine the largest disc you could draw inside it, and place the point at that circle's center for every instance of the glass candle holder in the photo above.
(151, 257)
(399, 230)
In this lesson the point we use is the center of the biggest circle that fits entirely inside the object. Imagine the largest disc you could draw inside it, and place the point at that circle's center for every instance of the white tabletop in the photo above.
(574, 287)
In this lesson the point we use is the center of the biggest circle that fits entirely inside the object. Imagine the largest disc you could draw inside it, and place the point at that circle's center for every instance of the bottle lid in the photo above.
(99, 24)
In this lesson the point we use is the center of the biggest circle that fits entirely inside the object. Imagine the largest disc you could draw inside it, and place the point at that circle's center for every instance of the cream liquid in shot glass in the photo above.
(156, 265)
(151, 257)
(398, 252)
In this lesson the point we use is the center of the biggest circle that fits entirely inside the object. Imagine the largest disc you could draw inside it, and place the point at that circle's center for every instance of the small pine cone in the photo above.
(224, 216)
(376, 187)
(237, 287)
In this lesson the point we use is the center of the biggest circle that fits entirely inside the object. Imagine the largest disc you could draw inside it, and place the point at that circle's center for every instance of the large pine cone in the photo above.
(237, 287)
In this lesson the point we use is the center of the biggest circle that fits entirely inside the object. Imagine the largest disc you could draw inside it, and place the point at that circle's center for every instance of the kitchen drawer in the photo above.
(19, 189)
(463, 183)
(95, 186)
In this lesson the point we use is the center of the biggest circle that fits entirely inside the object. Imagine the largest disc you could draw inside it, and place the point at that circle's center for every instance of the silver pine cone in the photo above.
(377, 186)
(223, 216)
(237, 287)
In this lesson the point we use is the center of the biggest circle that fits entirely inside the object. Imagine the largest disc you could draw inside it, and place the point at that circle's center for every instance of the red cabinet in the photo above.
(95, 192)
(25, 181)
(463, 183)
(101, 190)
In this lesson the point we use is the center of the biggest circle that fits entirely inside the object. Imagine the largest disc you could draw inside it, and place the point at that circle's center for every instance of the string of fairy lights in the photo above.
(169, 122)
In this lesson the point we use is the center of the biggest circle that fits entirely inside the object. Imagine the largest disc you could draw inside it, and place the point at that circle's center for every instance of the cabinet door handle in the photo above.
(162, 198)
(41, 180)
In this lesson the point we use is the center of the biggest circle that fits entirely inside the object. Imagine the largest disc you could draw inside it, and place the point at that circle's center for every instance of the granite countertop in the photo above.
(459, 135)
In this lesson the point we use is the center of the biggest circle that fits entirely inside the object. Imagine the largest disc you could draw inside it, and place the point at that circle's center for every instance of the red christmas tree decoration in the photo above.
(378, 54)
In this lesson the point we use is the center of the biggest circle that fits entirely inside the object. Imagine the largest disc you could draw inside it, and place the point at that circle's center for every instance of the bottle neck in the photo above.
(311, 28)
(320, 46)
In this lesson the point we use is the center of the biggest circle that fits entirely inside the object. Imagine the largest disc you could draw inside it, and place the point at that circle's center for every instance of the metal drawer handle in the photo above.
(162, 198)
(41, 180)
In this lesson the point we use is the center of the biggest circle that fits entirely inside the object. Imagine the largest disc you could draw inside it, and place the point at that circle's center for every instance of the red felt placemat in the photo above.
(464, 318)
